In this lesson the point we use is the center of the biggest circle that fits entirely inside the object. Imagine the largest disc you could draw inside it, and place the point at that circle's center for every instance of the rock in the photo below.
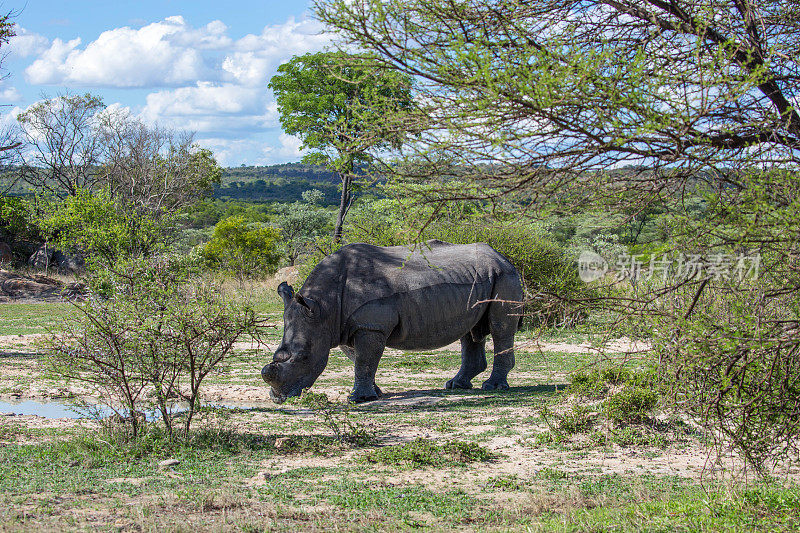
(16, 286)
(167, 463)
(288, 274)
(48, 257)
(6, 255)
(42, 258)
(68, 263)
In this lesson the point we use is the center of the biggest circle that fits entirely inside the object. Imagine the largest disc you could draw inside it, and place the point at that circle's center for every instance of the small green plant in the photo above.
(553, 474)
(337, 418)
(549, 437)
(577, 420)
(511, 482)
(425, 452)
(597, 383)
(630, 436)
(631, 404)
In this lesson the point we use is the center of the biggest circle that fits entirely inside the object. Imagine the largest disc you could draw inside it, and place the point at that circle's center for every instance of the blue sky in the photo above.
(192, 65)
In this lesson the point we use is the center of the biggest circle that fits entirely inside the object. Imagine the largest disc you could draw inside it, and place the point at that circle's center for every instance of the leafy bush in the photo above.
(151, 340)
(242, 249)
(735, 365)
(91, 222)
(631, 404)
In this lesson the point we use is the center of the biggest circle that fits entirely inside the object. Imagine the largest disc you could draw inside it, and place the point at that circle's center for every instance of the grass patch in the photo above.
(29, 318)
(425, 452)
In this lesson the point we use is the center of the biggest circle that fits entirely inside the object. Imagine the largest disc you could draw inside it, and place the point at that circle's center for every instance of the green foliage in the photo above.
(208, 212)
(245, 250)
(425, 452)
(148, 335)
(94, 224)
(337, 418)
(17, 217)
(631, 404)
(301, 224)
(637, 436)
(337, 103)
(596, 384)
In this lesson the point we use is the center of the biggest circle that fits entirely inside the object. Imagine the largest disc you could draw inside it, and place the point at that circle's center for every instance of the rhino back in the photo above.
(358, 274)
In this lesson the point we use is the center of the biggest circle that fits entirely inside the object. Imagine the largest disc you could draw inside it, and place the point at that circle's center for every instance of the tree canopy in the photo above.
(528, 86)
(338, 104)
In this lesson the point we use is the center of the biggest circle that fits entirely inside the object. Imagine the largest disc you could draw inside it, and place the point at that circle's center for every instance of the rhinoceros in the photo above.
(364, 298)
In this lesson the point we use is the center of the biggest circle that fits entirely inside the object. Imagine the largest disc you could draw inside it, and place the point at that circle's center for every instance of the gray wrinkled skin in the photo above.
(364, 298)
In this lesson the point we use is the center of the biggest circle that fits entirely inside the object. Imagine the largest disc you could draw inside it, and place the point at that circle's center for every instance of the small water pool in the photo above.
(65, 410)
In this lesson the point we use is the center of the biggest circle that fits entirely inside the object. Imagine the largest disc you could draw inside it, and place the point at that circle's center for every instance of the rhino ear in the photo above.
(308, 304)
(287, 292)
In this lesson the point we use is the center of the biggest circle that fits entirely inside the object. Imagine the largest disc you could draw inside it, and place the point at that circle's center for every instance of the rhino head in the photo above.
(304, 349)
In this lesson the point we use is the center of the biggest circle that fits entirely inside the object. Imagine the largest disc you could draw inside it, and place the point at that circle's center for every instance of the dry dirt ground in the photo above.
(300, 477)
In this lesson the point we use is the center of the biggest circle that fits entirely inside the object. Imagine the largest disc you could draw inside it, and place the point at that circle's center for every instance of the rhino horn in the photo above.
(286, 292)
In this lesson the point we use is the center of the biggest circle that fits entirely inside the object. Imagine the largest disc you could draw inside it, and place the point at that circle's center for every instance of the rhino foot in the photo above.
(362, 398)
(457, 383)
(368, 396)
(490, 384)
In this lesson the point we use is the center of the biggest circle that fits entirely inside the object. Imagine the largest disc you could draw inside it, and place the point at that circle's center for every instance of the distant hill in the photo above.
(277, 183)
(312, 173)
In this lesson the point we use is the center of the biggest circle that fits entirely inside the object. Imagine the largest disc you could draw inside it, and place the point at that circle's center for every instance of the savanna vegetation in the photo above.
(636, 160)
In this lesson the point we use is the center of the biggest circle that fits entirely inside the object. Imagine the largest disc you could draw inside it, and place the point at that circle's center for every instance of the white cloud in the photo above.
(209, 108)
(202, 80)
(253, 151)
(26, 43)
(159, 54)
(290, 146)
(9, 93)
(9, 119)
(237, 102)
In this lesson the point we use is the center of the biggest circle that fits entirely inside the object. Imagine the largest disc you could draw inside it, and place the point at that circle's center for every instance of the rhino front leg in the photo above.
(473, 362)
(369, 348)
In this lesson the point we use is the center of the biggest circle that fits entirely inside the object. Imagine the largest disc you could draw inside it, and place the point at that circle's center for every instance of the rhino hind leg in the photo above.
(368, 347)
(503, 323)
(502, 365)
(473, 362)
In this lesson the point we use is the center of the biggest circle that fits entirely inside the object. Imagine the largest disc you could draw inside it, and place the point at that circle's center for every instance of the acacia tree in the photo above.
(153, 170)
(61, 153)
(636, 103)
(336, 103)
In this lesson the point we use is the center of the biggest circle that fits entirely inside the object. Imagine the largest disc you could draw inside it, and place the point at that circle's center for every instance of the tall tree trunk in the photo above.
(344, 202)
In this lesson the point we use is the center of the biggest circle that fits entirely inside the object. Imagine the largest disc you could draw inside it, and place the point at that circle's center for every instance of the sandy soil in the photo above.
(519, 456)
